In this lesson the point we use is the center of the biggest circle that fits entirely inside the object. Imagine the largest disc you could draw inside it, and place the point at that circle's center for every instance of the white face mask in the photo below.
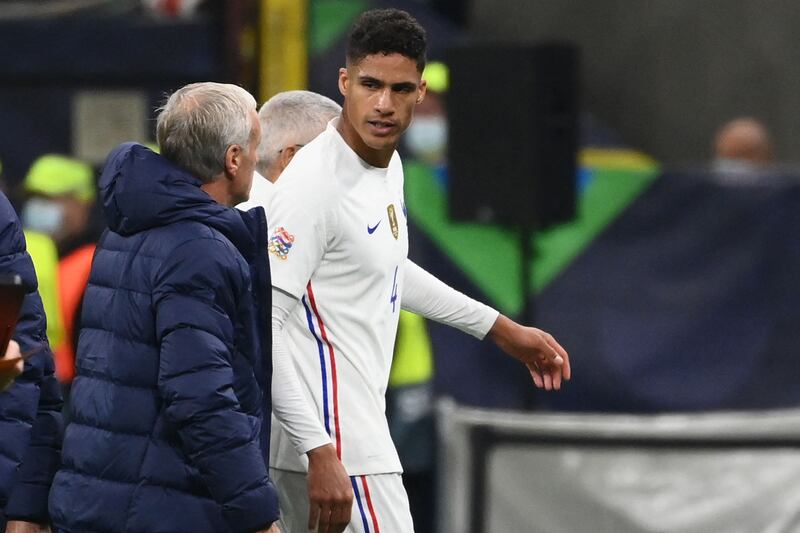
(43, 215)
(426, 138)
(735, 166)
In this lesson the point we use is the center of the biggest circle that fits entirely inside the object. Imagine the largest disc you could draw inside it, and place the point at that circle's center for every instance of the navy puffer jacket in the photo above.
(171, 400)
(30, 410)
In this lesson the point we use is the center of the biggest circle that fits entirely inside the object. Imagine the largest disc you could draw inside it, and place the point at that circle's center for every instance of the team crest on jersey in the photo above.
(393, 220)
(280, 243)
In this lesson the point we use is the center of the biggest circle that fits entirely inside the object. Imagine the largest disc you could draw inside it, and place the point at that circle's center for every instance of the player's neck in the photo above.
(371, 156)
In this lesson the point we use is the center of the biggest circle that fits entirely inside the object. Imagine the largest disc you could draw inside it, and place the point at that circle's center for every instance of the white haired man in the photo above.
(170, 406)
(289, 121)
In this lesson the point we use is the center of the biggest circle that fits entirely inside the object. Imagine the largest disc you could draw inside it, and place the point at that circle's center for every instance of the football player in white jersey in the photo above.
(340, 275)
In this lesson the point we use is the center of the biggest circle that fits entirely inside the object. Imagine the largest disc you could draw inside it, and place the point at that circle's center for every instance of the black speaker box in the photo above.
(513, 133)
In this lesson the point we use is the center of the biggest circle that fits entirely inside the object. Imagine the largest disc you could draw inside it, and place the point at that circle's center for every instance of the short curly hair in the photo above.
(387, 31)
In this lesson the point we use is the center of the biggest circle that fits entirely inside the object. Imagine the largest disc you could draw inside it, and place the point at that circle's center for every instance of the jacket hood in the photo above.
(141, 190)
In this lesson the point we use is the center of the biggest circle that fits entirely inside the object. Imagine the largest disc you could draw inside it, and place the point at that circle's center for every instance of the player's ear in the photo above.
(422, 90)
(344, 81)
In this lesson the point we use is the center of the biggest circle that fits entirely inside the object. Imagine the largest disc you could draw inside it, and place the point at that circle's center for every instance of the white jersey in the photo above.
(338, 243)
(260, 193)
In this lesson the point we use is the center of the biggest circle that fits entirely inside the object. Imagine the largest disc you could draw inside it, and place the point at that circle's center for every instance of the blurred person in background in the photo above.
(426, 138)
(170, 419)
(61, 194)
(30, 408)
(340, 275)
(743, 145)
(289, 121)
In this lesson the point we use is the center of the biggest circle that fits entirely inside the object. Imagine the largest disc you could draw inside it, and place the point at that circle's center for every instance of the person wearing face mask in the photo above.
(426, 137)
(61, 195)
(743, 149)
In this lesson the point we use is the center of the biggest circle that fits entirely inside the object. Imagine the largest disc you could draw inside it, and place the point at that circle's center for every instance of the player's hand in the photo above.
(16, 526)
(546, 359)
(330, 493)
(272, 529)
(7, 376)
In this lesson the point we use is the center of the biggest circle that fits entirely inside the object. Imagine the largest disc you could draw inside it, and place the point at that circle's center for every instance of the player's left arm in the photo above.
(424, 294)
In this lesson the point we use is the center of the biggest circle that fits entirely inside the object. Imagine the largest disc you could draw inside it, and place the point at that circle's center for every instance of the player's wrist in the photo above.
(321, 453)
(501, 330)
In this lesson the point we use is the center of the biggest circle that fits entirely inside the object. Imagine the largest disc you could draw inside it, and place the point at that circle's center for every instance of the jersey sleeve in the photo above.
(289, 405)
(426, 295)
(299, 224)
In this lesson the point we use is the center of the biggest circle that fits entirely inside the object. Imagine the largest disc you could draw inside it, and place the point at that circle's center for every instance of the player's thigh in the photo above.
(380, 505)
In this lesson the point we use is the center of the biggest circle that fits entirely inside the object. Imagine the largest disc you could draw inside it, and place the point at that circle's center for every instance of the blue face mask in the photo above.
(45, 216)
(426, 138)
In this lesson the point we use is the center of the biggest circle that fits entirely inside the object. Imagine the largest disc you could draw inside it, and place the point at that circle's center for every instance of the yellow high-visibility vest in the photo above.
(413, 354)
(44, 254)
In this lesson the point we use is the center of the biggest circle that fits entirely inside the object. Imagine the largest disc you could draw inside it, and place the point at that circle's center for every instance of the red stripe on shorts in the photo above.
(369, 505)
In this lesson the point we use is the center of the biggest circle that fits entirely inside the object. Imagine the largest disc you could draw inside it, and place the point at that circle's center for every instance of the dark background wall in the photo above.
(667, 74)
(78, 74)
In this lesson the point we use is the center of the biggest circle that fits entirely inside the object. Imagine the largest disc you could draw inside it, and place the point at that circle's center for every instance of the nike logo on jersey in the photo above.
(371, 229)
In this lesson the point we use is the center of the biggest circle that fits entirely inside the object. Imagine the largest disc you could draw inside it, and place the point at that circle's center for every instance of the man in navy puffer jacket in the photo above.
(30, 409)
(171, 403)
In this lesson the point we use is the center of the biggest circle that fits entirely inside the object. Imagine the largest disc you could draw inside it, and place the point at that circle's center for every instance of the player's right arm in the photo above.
(300, 219)
(330, 493)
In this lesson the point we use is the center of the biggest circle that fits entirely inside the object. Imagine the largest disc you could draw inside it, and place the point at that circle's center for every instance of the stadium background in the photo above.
(673, 291)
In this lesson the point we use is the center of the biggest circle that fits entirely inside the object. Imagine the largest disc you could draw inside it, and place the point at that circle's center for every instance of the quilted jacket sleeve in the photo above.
(34, 401)
(195, 299)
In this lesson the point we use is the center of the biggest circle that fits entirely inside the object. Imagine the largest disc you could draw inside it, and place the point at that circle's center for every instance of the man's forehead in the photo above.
(389, 68)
